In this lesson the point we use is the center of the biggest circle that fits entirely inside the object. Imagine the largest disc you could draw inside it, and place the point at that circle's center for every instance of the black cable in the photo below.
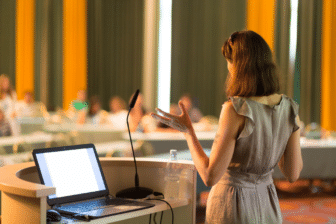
(155, 218)
(171, 209)
(161, 217)
(150, 218)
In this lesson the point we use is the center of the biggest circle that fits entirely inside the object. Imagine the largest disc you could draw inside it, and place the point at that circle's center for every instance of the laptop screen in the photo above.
(74, 171)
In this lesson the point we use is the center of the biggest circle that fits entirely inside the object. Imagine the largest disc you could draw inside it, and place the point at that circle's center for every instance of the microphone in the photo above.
(135, 97)
(134, 192)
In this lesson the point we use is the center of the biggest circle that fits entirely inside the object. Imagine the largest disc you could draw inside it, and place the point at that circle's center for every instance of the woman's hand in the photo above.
(179, 122)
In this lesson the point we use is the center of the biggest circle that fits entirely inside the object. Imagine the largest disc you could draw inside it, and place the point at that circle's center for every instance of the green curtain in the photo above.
(199, 29)
(307, 77)
(115, 40)
(49, 53)
(7, 39)
(281, 51)
(7, 42)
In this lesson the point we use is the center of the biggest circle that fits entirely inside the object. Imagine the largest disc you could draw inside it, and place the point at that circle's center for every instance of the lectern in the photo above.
(24, 199)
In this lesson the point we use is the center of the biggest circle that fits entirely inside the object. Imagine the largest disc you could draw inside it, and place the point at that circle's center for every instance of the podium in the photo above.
(24, 198)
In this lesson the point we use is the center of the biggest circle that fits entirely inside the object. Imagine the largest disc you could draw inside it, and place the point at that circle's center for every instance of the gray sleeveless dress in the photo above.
(246, 193)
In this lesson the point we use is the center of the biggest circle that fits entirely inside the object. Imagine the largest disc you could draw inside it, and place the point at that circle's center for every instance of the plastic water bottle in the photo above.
(172, 178)
(184, 184)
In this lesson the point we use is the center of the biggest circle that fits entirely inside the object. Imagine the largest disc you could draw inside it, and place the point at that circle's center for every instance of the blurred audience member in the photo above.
(139, 120)
(28, 107)
(118, 113)
(5, 129)
(8, 100)
(78, 108)
(7, 96)
(194, 113)
(95, 114)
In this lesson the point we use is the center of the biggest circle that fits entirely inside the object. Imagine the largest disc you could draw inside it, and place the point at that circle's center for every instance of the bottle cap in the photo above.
(173, 153)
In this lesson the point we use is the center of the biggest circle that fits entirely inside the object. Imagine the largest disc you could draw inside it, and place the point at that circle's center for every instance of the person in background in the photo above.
(5, 129)
(78, 108)
(118, 113)
(8, 96)
(28, 107)
(95, 114)
(8, 99)
(194, 113)
(139, 119)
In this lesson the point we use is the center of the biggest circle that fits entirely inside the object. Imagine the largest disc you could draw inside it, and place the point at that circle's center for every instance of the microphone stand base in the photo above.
(134, 193)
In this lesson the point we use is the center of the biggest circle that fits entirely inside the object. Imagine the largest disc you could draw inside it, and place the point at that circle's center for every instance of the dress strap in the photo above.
(294, 113)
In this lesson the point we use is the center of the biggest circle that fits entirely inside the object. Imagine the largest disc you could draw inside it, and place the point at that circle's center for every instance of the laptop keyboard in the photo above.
(94, 204)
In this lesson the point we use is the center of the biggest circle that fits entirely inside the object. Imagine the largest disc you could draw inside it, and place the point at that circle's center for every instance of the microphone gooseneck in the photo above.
(134, 192)
(136, 167)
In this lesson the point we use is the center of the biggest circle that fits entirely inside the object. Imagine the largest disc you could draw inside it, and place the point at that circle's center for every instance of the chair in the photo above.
(146, 148)
(210, 119)
(22, 147)
(2, 150)
(75, 137)
(59, 140)
(115, 153)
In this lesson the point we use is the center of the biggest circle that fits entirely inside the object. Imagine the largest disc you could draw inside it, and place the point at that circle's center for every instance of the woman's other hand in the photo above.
(179, 122)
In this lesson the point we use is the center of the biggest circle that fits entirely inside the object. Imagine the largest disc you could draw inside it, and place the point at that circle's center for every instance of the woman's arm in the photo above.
(291, 161)
(230, 124)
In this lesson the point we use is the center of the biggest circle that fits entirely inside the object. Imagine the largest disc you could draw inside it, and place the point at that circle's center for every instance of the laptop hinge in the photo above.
(55, 206)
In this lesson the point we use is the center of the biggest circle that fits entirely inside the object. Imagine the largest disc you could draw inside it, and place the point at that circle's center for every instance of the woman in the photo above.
(8, 96)
(5, 129)
(118, 113)
(139, 119)
(8, 100)
(78, 108)
(96, 114)
(257, 130)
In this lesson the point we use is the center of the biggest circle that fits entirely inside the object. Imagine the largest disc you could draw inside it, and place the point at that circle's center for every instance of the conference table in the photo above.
(162, 142)
(87, 133)
(105, 149)
(30, 124)
(319, 159)
(33, 140)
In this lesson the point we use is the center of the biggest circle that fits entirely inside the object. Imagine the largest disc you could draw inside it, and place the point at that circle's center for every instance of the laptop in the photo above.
(81, 189)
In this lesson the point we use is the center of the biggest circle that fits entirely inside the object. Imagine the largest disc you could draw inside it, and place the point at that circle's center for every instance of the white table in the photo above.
(30, 124)
(34, 140)
(88, 133)
(319, 159)
(164, 141)
(109, 149)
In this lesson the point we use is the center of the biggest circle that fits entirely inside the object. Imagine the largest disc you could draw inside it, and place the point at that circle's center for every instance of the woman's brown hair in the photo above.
(255, 73)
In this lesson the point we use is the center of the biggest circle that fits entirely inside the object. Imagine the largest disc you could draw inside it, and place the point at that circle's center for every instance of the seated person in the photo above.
(139, 119)
(118, 113)
(95, 114)
(78, 108)
(194, 113)
(28, 107)
(5, 129)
